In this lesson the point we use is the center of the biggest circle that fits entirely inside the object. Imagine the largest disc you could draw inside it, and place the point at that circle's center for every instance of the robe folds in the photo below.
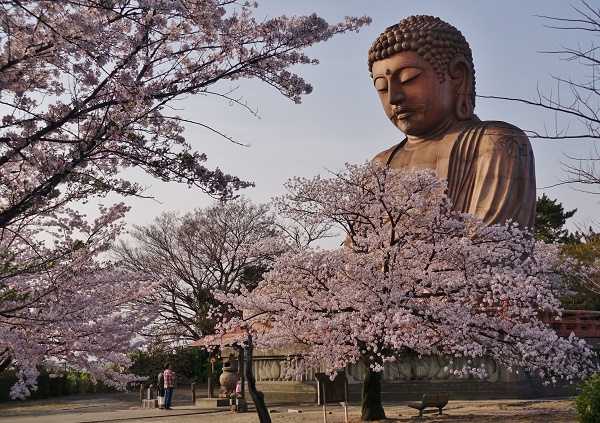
(490, 173)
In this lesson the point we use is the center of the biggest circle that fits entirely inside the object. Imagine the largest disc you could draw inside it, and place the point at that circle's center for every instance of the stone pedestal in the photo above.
(237, 404)
(212, 402)
(150, 403)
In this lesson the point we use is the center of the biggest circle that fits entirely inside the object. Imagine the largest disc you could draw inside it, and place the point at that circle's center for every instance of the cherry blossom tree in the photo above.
(85, 93)
(85, 88)
(60, 303)
(413, 277)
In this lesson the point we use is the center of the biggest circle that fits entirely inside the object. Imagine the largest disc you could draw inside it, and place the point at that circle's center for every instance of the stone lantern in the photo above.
(230, 377)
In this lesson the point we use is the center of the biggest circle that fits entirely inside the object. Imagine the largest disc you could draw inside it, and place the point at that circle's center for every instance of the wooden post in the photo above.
(194, 392)
(346, 400)
(210, 375)
(141, 393)
(345, 405)
(241, 364)
(324, 404)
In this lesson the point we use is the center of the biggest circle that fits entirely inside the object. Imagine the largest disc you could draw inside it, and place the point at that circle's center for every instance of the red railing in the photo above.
(583, 323)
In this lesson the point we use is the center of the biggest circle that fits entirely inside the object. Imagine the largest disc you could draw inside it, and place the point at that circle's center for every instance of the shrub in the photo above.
(588, 401)
(7, 379)
(189, 364)
(53, 384)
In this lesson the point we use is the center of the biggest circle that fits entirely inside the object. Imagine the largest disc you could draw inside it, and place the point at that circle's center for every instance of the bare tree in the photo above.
(196, 253)
(575, 98)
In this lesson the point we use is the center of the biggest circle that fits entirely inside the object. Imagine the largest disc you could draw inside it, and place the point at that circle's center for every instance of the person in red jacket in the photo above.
(169, 376)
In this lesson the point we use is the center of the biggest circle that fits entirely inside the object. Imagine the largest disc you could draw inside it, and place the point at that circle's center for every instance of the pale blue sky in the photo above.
(342, 120)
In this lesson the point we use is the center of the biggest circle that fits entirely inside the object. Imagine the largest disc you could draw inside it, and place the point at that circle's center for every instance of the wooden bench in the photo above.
(438, 401)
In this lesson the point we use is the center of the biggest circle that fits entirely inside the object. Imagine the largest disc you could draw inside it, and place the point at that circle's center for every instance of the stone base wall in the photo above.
(274, 368)
(272, 365)
(408, 380)
(404, 391)
(438, 369)
(466, 390)
(288, 391)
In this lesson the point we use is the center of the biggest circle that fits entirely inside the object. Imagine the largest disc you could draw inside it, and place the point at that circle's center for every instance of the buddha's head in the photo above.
(423, 71)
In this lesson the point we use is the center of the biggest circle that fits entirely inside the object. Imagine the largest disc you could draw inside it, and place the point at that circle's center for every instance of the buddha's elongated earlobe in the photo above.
(462, 75)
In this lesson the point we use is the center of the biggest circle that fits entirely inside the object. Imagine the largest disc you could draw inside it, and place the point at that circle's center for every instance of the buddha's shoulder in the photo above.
(384, 156)
(496, 129)
(496, 138)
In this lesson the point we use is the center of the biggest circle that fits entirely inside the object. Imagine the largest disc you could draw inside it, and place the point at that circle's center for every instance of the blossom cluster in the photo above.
(85, 85)
(59, 302)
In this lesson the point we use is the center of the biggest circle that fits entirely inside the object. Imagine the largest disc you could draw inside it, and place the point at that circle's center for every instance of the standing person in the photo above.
(160, 385)
(169, 376)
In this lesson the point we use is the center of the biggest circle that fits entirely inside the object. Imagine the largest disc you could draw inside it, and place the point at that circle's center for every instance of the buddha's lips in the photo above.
(399, 113)
(402, 114)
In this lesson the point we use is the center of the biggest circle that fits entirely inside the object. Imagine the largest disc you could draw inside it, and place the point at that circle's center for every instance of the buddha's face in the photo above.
(412, 96)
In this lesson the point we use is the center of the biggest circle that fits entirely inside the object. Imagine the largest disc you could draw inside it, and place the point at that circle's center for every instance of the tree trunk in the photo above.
(4, 363)
(257, 397)
(371, 394)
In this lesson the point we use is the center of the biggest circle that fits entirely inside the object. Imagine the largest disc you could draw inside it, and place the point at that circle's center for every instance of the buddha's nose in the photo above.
(396, 94)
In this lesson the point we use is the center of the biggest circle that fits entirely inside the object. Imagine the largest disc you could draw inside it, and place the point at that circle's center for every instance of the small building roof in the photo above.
(226, 339)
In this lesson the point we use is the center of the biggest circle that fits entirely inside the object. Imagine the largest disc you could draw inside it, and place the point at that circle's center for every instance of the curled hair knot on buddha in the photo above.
(436, 41)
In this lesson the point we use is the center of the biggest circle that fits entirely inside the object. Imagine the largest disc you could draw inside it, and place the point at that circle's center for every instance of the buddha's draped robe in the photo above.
(490, 171)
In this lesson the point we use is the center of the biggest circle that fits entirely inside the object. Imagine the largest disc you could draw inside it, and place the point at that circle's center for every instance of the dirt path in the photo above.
(460, 411)
(125, 408)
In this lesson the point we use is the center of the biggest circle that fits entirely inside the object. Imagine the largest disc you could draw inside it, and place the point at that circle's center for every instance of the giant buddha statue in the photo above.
(422, 69)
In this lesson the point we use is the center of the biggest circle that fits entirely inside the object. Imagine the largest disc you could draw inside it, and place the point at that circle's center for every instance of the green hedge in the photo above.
(588, 401)
(189, 364)
(56, 384)
(7, 379)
